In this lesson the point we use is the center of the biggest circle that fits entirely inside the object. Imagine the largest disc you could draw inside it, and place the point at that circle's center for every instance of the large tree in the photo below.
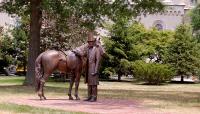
(118, 48)
(88, 13)
(34, 41)
(17, 52)
(195, 21)
(133, 42)
(184, 54)
(1, 33)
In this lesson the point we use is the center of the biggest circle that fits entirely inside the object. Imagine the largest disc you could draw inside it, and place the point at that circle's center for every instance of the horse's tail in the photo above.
(38, 72)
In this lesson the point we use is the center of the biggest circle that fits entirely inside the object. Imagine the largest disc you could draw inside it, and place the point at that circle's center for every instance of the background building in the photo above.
(6, 20)
(175, 14)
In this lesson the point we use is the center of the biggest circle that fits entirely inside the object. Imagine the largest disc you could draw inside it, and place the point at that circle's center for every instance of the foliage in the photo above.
(133, 42)
(7, 50)
(1, 35)
(14, 47)
(20, 42)
(1, 31)
(107, 72)
(59, 14)
(147, 42)
(117, 48)
(195, 21)
(152, 73)
(65, 22)
(184, 54)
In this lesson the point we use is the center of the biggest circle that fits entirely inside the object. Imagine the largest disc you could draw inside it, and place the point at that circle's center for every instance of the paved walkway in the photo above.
(102, 106)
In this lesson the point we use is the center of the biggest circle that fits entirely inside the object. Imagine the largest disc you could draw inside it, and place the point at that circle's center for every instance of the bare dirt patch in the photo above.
(102, 106)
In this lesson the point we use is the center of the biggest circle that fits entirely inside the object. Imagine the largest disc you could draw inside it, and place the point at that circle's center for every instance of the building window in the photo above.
(159, 26)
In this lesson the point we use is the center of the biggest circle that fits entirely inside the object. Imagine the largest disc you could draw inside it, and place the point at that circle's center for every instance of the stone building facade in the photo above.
(174, 14)
(6, 20)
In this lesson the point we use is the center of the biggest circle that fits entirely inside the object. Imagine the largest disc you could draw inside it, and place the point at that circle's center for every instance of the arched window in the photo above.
(158, 24)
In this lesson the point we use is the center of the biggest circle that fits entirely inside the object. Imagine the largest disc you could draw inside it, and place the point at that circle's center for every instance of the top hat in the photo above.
(91, 36)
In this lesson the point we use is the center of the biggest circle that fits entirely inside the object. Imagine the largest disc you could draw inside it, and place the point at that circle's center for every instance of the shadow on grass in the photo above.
(114, 80)
(164, 83)
(179, 82)
(149, 84)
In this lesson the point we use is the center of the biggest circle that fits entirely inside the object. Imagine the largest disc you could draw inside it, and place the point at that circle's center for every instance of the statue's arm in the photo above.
(81, 51)
(98, 58)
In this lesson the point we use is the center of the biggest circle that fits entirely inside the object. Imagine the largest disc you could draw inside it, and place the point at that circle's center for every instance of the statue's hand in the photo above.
(76, 53)
(94, 74)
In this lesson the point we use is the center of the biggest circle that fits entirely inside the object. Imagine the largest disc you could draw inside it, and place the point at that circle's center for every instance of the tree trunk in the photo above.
(119, 76)
(34, 41)
(24, 66)
(182, 78)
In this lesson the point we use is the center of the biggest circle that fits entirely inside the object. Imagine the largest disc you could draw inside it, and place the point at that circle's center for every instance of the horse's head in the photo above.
(99, 45)
(82, 50)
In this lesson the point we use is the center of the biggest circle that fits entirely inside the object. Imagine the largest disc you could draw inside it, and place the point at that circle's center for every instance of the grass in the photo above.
(11, 80)
(184, 98)
(14, 108)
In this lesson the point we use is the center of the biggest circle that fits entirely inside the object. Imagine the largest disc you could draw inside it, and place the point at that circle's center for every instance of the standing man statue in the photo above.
(93, 60)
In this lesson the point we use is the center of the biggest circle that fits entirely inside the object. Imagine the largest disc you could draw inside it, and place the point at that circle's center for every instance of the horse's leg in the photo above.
(70, 86)
(77, 75)
(40, 92)
(43, 94)
(42, 81)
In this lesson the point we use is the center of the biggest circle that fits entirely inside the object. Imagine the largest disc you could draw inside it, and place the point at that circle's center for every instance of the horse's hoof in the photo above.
(77, 98)
(44, 98)
(41, 99)
(71, 98)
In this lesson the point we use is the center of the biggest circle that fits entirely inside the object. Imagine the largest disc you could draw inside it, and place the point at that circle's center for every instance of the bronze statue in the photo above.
(68, 61)
(94, 55)
(51, 60)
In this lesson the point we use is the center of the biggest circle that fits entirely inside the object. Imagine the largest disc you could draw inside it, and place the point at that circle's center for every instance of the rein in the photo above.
(63, 53)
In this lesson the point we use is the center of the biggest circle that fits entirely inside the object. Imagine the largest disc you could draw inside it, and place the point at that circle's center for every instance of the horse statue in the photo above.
(63, 61)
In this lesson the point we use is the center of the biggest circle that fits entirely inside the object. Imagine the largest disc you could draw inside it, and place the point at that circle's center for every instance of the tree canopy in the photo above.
(69, 19)
(130, 42)
(184, 52)
(195, 21)
(66, 21)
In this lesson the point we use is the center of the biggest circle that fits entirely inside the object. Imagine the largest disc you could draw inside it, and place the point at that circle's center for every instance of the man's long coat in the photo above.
(93, 61)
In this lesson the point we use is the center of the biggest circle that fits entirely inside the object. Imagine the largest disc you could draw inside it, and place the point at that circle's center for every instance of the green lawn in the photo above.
(14, 108)
(178, 98)
(11, 80)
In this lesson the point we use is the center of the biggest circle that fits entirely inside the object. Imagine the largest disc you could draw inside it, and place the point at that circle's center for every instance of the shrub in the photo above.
(152, 73)
(107, 72)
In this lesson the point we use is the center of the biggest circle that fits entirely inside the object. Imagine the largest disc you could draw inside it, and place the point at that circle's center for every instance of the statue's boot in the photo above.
(88, 99)
(94, 94)
(93, 99)
(89, 93)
